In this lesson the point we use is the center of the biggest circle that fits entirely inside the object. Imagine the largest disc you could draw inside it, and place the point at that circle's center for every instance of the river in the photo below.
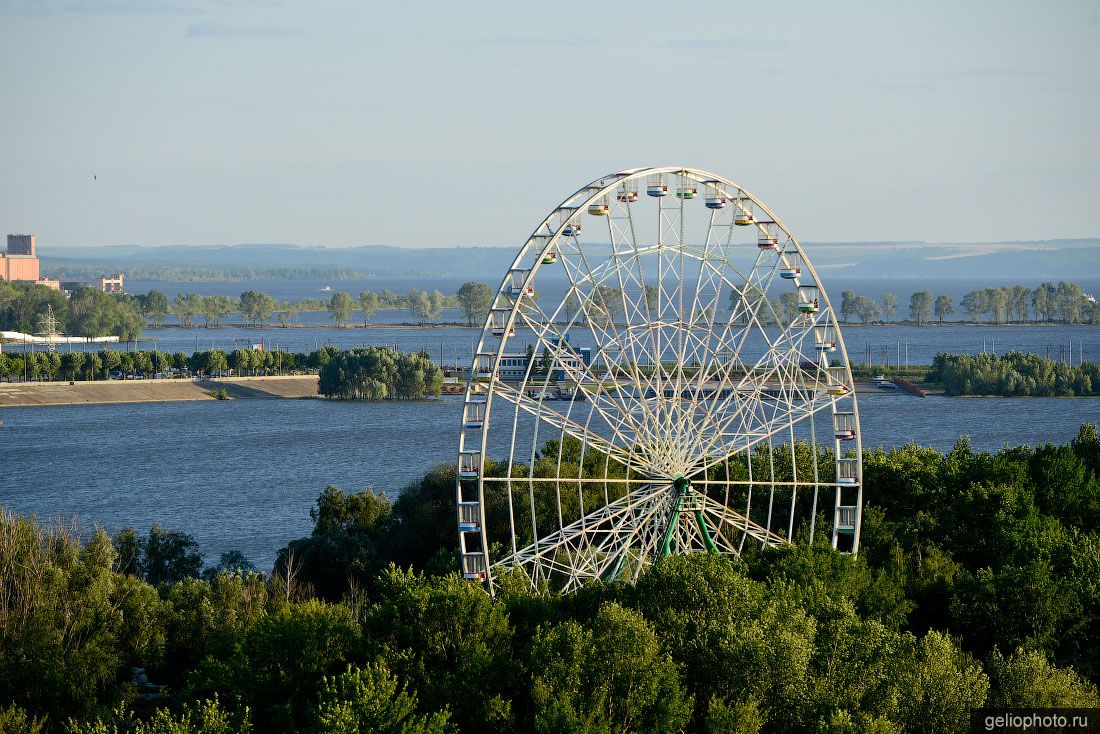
(243, 474)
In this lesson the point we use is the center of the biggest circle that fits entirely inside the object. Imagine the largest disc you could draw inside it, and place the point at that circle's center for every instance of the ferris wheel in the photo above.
(660, 373)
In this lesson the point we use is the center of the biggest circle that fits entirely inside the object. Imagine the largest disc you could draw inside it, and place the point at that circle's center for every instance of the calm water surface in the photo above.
(243, 474)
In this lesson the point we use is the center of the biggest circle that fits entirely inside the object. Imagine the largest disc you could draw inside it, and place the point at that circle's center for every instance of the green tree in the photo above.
(71, 364)
(1044, 302)
(170, 555)
(451, 643)
(943, 307)
(154, 306)
(920, 307)
(611, 677)
(941, 687)
(339, 306)
(95, 313)
(280, 658)
(216, 308)
(847, 305)
(1020, 299)
(474, 299)
(187, 306)
(866, 309)
(288, 314)
(368, 304)
(889, 305)
(110, 361)
(1028, 680)
(1069, 299)
(436, 303)
(368, 700)
(787, 306)
(257, 307)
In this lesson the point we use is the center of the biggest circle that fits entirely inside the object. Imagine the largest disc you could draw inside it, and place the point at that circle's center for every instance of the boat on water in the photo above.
(327, 289)
(881, 381)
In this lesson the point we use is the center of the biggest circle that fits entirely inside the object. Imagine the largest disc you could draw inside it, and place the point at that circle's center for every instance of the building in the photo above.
(21, 244)
(107, 284)
(20, 263)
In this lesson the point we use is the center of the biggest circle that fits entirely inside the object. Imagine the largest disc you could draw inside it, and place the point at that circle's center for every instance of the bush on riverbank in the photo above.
(377, 373)
(975, 585)
(1014, 374)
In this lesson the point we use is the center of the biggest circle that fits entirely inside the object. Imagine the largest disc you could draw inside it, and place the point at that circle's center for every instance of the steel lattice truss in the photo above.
(681, 376)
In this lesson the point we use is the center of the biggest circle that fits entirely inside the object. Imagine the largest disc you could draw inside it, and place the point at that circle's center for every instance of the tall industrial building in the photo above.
(20, 262)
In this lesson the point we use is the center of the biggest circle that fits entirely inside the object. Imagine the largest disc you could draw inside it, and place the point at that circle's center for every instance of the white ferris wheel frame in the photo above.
(515, 291)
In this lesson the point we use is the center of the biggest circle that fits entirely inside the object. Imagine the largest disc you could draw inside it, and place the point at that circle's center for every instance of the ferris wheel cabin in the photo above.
(573, 229)
(744, 217)
(847, 471)
(473, 567)
(628, 192)
(684, 191)
(469, 517)
(824, 341)
(656, 187)
(550, 257)
(791, 269)
(844, 425)
(599, 208)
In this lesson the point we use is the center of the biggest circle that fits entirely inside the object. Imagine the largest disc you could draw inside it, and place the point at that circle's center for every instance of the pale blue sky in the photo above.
(421, 124)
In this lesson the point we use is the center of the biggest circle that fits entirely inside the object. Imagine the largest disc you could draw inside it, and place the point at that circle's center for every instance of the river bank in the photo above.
(29, 394)
(25, 394)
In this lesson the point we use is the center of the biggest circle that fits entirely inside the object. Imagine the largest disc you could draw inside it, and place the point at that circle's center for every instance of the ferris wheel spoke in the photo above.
(604, 521)
(577, 372)
(611, 340)
(541, 411)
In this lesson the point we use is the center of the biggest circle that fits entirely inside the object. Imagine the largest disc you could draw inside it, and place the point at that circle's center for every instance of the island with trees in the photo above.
(378, 373)
(1014, 374)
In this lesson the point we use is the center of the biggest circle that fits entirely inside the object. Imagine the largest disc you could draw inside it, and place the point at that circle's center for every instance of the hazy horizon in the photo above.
(206, 121)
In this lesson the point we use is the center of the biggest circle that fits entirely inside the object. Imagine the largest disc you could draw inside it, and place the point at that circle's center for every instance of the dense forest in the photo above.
(977, 583)
(1013, 374)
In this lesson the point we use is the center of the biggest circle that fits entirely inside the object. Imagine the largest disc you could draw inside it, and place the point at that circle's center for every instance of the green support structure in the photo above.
(612, 574)
(706, 533)
(683, 489)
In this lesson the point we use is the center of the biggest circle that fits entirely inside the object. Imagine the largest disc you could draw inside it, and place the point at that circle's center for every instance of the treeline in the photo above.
(108, 363)
(88, 312)
(377, 373)
(1014, 374)
(1065, 302)
(257, 307)
(975, 585)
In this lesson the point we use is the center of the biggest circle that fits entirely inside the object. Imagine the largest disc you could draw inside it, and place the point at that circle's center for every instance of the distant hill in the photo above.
(994, 261)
